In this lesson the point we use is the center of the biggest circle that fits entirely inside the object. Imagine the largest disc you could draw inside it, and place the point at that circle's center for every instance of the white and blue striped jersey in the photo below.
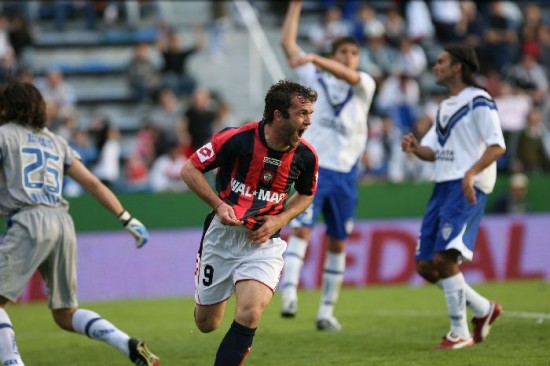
(339, 128)
(464, 126)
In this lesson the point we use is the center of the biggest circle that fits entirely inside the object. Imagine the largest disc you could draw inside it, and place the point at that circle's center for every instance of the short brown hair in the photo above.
(279, 95)
(338, 42)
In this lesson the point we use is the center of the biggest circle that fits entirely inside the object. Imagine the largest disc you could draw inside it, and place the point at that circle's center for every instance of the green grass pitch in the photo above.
(390, 325)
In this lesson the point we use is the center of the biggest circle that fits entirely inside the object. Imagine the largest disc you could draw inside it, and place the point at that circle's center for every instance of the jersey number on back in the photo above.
(41, 175)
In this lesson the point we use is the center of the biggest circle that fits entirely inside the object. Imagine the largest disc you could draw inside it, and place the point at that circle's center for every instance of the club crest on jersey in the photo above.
(268, 176)
(446, 231)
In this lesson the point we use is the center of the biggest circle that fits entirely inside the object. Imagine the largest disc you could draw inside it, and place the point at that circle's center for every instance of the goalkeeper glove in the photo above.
(135, 227)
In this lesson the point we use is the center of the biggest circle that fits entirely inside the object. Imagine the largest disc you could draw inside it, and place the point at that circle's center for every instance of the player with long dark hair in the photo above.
(40, 232)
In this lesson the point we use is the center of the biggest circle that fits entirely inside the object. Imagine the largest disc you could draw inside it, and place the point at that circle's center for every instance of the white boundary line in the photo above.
(432, 313)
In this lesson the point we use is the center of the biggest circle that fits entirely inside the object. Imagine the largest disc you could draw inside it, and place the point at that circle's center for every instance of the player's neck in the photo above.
(273, 140)
(456, 87)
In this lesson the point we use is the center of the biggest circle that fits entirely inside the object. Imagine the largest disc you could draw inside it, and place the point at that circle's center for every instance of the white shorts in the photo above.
(227, 256)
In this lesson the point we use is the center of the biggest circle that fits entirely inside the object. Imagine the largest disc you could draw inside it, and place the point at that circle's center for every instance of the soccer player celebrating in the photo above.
(339, 134)
(40, 233)
(241, 250)
(464, 142)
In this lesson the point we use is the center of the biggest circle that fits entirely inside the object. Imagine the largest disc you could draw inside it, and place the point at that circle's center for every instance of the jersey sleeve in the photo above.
(486, 117)
(307, 74)
(306, 183)
(366, 87)
(219, 151)
(69, 153)
(430, 139)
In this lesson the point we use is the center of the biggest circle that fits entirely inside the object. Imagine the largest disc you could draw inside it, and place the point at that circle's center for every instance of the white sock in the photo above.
(294, 260)
(94, 326)
(333, 276)
(480, 306)
(9, 355)
(455, 295)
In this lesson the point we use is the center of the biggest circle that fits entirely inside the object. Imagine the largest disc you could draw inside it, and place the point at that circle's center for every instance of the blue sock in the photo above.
(235, 345)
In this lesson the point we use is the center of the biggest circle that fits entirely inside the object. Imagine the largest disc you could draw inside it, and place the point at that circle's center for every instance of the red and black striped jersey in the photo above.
(253, 178)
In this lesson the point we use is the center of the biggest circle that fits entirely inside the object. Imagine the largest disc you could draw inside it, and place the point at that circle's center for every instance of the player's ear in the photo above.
(280, 114)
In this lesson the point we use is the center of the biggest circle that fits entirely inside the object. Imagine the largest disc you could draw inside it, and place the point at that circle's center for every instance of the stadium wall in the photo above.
(379, 252)
(376, 201)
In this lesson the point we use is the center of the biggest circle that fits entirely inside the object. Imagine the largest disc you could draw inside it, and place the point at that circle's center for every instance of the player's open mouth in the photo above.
(301, 132)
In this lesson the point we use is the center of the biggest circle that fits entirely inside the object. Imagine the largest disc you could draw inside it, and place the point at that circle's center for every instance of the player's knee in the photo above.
(249, 317)
(428, 271)
(64, 318)
(207, 324)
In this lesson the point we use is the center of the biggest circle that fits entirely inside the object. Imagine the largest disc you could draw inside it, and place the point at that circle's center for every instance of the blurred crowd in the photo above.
(399, 46)
(399, 43)
(180, 114)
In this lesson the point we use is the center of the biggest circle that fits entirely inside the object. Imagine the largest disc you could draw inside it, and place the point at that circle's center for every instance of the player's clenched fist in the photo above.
(135, 227)
(409, 143)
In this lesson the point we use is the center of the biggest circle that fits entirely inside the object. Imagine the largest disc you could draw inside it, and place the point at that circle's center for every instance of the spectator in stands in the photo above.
(395, 26)
(413, 56)
(419, 21)
(333, 26)
(143, 75)
(378, 58)
(167, 118)
(21, 39)
(383, 147)
(514, 201)
(200, 118)
(471, 28)
(107, 168)
(25, 75)
(54, 87)
(64, 9)
(533, 150)
(513, 106)
(54, 117)
(146, 141)
(175, 69)
(6, 51)
(136, 174)
(446, 16)
(398, 97)
(166, 170)
(79, 142)
(364, 19)
(530, 74)
(501, 39)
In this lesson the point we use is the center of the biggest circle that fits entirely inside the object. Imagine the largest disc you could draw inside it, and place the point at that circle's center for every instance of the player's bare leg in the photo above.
(209, 317)
(252, 299)
(9, 354)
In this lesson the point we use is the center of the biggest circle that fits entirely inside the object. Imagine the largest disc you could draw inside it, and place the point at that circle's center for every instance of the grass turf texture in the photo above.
(381, 326)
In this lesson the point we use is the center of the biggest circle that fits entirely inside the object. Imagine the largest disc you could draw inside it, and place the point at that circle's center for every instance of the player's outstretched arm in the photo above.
(107, 198)
(289, 31)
